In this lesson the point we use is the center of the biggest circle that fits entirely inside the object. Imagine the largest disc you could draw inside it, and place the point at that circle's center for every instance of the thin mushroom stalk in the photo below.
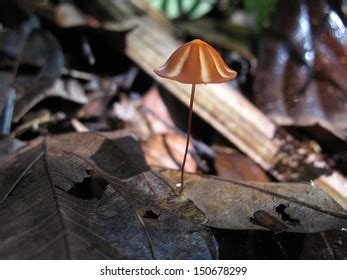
(195, 62)
(189, 130)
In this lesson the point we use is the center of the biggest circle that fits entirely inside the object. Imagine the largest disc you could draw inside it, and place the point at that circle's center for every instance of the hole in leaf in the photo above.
(280, 209)
(92, 187)
(149, 214)
(253, 221)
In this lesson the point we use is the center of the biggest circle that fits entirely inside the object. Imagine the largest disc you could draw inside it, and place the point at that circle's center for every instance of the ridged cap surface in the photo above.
(196, 62)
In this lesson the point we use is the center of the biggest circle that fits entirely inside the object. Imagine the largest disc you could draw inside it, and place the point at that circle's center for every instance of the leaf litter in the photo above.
(136, 216)
(84, 193)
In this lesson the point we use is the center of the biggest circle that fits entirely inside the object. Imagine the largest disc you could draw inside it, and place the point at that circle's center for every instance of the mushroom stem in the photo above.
(188, 136)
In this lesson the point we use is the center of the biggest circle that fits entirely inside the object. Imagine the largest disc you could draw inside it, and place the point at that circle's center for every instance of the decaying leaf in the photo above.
(275, 206)
(135, 121)
(47, 211)
(156, 112)
(301, 77)
(31, 58)
(69, 90)
(41, 65)
(167, 150)
(13, 36)
(34, 121)
(234, 166)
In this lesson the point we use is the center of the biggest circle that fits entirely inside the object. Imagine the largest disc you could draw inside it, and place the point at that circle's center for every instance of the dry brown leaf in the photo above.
(135, 121)
(153, 102)
(167, 150)
(69, 90)
(295, 207)
(133, 214)
(301, 77)
(232, 165)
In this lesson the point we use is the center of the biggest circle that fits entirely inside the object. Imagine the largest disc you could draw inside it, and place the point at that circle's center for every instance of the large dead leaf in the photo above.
(48, 211)
(275, 206)
(301, 77)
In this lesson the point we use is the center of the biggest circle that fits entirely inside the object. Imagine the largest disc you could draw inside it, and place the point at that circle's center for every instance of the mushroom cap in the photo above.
(196, 62)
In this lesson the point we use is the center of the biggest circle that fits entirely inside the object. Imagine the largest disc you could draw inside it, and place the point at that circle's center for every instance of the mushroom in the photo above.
(195, 62)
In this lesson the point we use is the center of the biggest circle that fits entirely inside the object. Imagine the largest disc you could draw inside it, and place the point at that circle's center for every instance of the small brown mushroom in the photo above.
(195, 62)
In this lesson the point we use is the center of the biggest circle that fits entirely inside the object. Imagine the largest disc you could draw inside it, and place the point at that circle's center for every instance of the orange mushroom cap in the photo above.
(196, 62)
